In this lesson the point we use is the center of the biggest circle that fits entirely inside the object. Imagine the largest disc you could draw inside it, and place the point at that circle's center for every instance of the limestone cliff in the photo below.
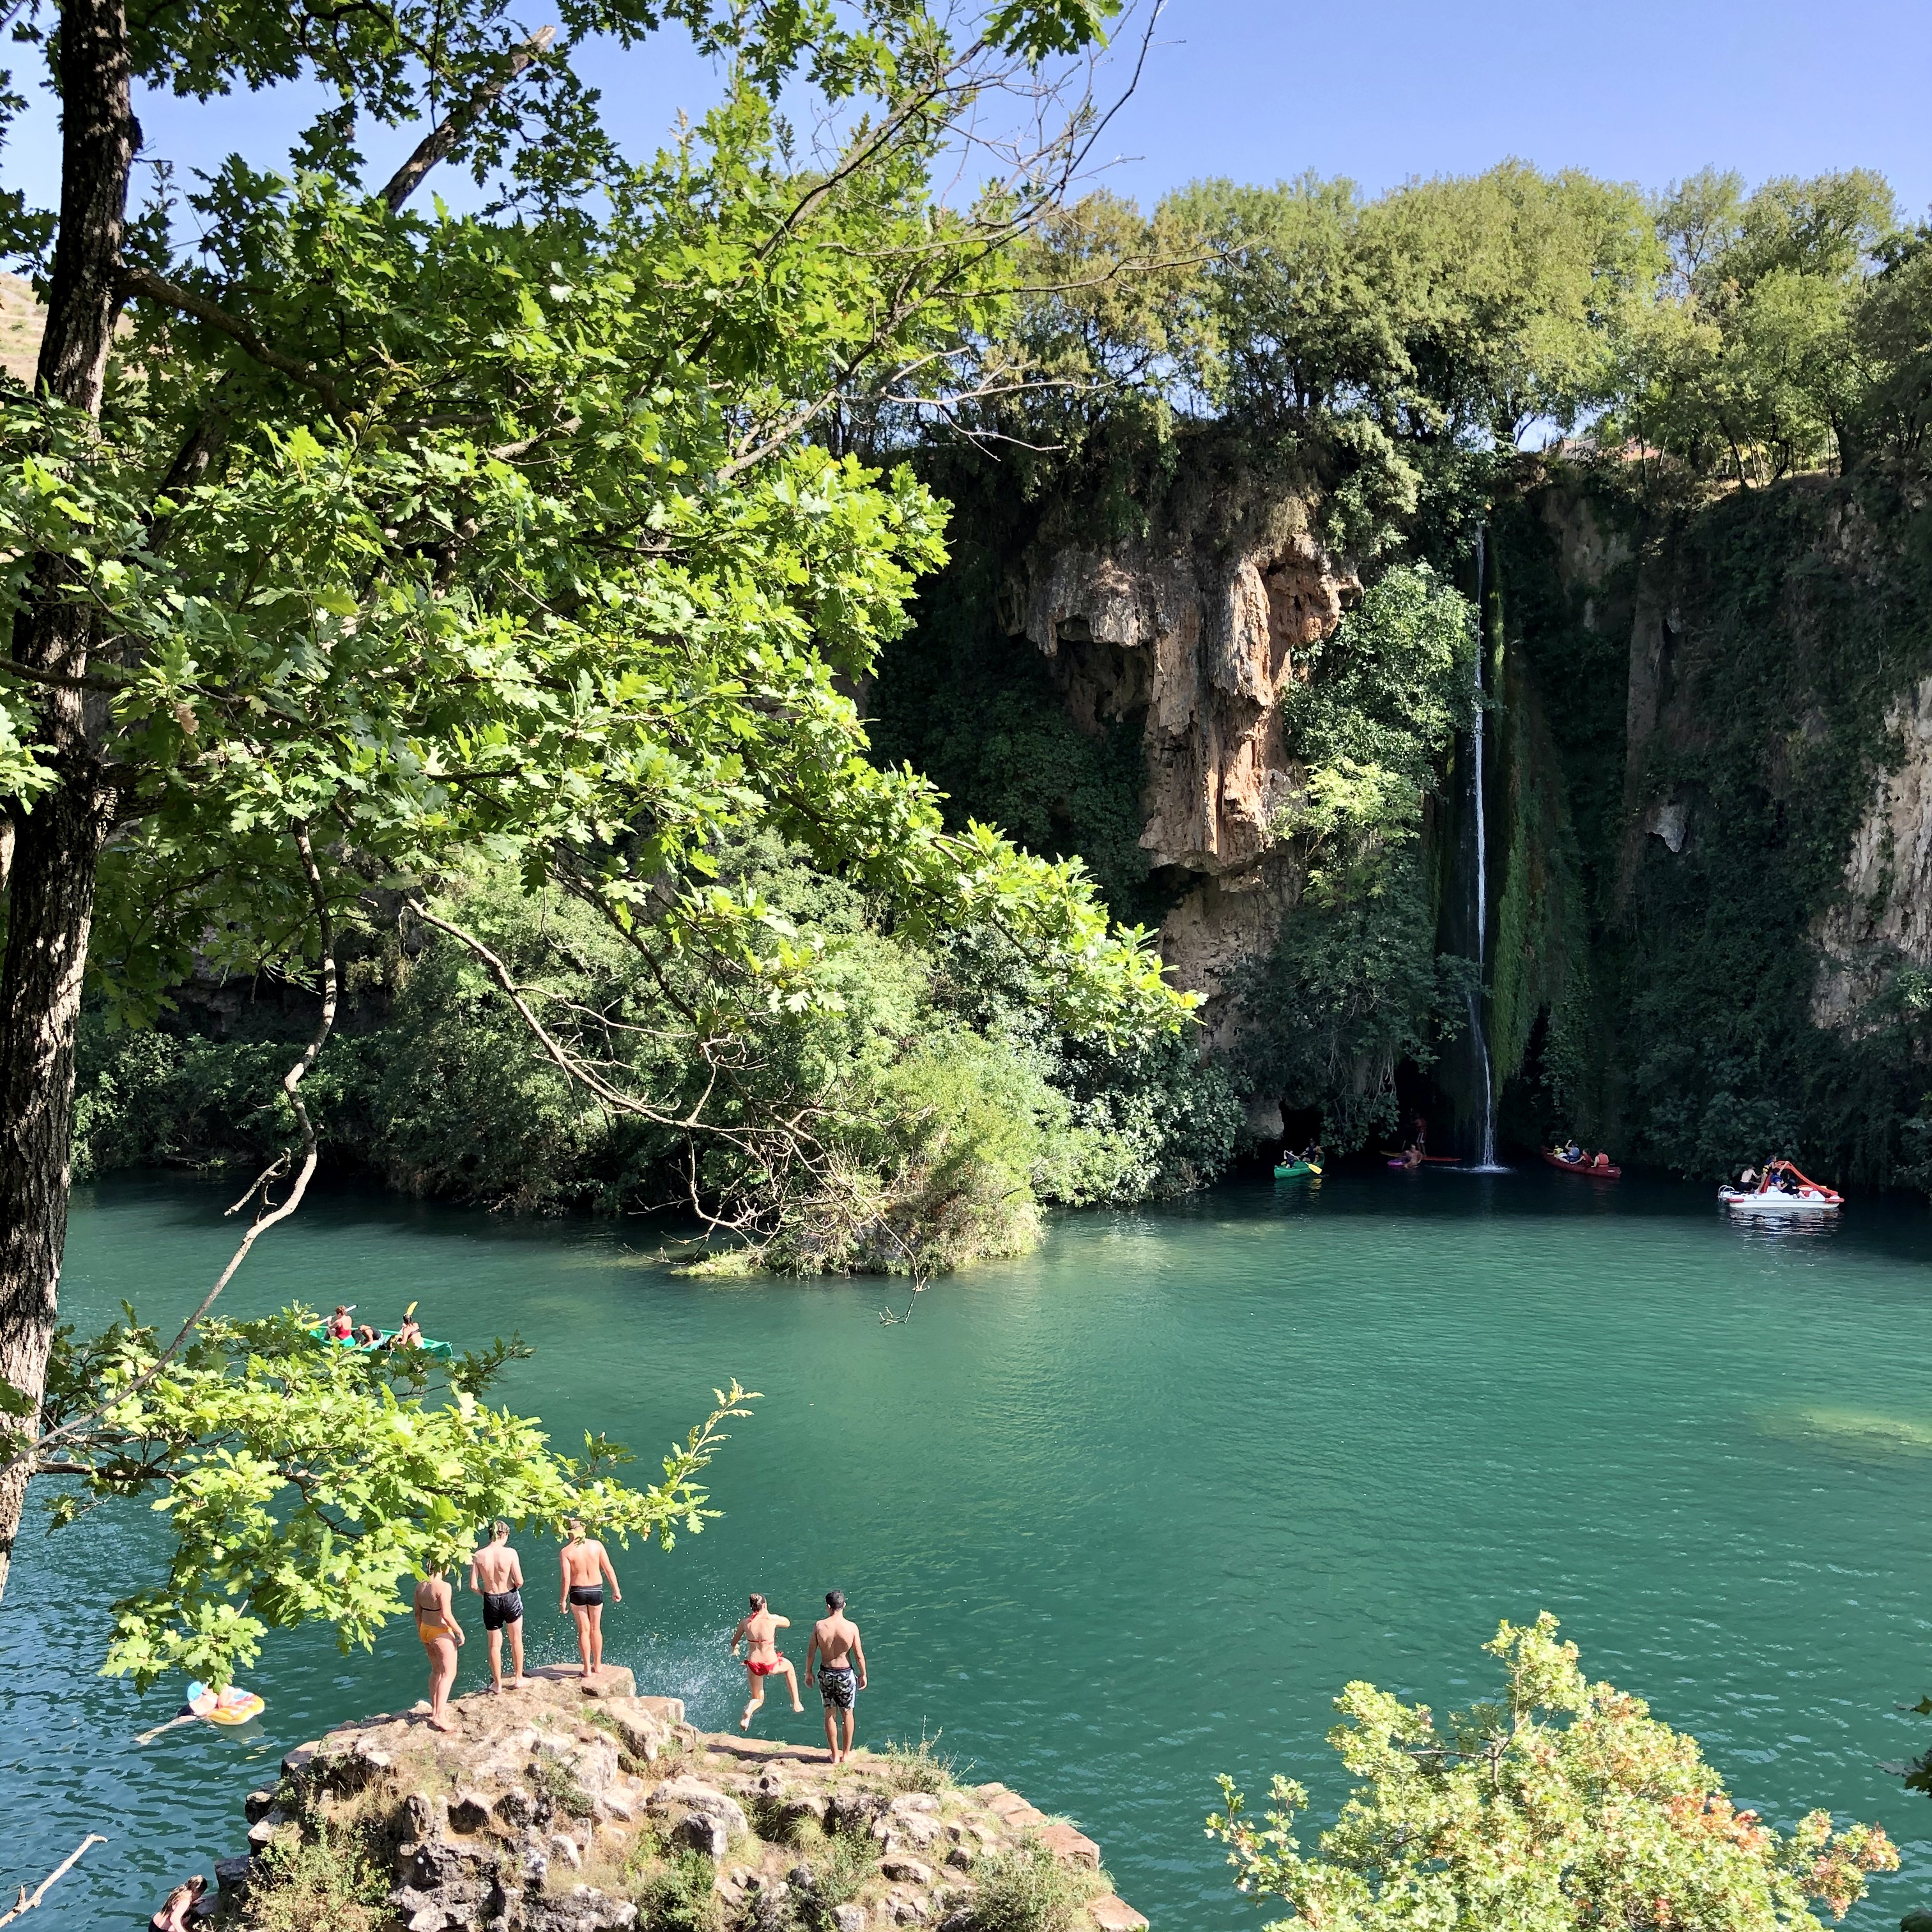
(1885, 918)
(1200, 637)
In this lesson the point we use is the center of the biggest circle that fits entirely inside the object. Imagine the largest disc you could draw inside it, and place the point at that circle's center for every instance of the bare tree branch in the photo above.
(572, 1065)
(451, 129)
(61, 1870)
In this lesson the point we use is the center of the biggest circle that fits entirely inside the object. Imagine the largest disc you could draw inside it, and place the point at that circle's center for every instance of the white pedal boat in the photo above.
(1810, 1201)
(1809, 1197)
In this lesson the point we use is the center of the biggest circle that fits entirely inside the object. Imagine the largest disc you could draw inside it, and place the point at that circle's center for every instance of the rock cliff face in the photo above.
(568, 1808)
(1202, 637)
(1886, 917)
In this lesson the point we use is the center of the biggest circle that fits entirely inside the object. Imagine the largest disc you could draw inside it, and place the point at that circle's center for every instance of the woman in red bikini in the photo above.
(759, 1631)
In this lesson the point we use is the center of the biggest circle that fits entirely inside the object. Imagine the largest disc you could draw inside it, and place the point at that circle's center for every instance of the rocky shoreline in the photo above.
(565, 1808)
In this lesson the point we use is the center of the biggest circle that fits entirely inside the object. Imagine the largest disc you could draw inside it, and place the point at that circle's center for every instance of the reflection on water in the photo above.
(1130, 1512)
(1752, 1224)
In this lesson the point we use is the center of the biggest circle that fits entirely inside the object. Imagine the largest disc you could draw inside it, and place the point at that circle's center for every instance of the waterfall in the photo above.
(1480, 908)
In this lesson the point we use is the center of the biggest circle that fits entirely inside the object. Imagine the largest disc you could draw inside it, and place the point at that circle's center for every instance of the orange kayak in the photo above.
(1582, 1167)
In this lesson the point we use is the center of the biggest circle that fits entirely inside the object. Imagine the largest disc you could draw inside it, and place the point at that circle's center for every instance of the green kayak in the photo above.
(1296, 1170)
(442, 1351)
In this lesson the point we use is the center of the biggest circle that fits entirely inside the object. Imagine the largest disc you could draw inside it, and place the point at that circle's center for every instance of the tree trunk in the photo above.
(57, 845)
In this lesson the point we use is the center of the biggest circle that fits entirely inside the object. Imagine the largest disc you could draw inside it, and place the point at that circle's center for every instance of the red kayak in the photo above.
(1583, 1168)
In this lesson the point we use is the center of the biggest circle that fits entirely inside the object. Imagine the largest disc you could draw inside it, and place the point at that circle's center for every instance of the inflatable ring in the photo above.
(251, 1706)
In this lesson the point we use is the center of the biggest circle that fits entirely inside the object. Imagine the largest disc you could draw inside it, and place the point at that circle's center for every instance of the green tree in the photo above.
(1564, 1805)
(374, 541)
(304, 1483)
(1750, 361)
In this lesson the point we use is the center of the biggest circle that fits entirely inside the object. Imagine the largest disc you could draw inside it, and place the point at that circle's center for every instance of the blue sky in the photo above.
(1643, 90)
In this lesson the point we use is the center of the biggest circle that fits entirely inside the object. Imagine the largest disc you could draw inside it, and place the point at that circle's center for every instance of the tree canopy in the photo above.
(348, 544)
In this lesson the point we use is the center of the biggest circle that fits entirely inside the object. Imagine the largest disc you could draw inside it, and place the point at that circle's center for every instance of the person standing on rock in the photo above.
(442, 1637)
(759, 1632)
(497, 1577)
(586, 1564)
(834, 1642)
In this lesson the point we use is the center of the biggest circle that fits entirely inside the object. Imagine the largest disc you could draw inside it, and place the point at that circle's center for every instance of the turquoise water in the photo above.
(1128, 1513)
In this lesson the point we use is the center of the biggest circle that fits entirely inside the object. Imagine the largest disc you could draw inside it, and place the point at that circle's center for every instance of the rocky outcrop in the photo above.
(1201, 638)
(1885, 920)
(557, 1809)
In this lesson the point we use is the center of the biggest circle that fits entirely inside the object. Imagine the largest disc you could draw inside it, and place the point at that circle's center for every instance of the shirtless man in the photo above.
(835, 1641)
(586, 1564)
(759, 1631)
(497, 1577)
(442, 1637)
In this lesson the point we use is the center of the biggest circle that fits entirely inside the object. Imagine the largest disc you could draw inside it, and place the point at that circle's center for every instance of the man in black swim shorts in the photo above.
(497, 1576)
(834, 1642)
(586, 1565)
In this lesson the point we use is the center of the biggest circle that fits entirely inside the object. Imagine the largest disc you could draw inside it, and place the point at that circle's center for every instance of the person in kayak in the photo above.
(340, 1328)
(1570, 1152)
(409, 1335)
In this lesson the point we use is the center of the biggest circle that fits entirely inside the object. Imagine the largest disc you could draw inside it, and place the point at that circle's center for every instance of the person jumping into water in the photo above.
(586, 1564)
(497, 1577)
(835, 1641)
(442, 1637)
(758, 1631)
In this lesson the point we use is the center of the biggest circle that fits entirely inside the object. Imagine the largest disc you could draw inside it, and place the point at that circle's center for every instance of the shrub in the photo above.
(918, 1767)
(836, 1878)
(679, 1895)
(555, 1779)
(326, 1883)
(1029, 1890)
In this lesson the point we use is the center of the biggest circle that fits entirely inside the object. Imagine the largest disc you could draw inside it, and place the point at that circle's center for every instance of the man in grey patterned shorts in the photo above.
(834, 1642)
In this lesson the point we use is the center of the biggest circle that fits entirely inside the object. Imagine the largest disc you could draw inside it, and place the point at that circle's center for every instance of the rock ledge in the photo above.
(563, 1808)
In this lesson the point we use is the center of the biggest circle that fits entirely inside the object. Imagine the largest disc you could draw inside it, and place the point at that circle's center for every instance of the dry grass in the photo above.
(906, 1766)
(22, 320)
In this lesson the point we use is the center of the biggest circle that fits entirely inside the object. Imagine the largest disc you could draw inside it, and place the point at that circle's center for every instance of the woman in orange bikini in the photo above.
(441, 1635)
(759, 1632)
